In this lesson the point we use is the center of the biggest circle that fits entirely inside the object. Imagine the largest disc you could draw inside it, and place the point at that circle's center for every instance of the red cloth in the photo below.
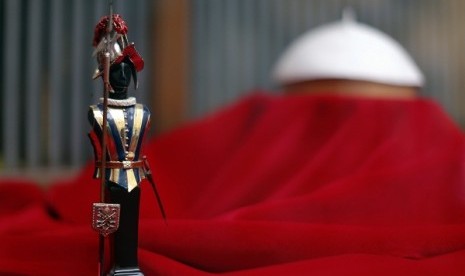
(272, 185)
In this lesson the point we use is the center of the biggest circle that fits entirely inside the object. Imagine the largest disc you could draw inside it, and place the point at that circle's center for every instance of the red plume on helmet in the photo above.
(119, 26)
(121, 49)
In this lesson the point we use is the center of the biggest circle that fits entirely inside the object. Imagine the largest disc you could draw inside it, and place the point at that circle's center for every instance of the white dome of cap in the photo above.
(347, 50)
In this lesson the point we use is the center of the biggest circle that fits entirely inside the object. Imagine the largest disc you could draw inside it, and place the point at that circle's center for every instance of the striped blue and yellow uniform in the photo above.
(125, 131)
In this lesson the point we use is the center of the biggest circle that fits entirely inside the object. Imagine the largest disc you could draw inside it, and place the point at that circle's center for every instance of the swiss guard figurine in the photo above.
(119, 125)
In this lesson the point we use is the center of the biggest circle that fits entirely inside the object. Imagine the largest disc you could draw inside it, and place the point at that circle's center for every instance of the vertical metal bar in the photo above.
(197, 60)
(11, 84)
(326, 11)
(309, 17)
(264, 58)
(194, 62)
(279, 33)
(457, 60)
(213, 40)
(293, 15)
(274, 48)
(142, 22)
(78, 55)
(380, 13)
(33, 82)
(55, 145)
(430, 47)
(442, 51)
(231, 53)
(247, 44)
(242, 26)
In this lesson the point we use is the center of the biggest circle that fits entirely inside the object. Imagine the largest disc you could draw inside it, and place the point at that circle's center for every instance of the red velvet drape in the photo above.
(272, 185)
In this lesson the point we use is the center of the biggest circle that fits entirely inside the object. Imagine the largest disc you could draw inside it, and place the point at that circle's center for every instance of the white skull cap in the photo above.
(347, 50)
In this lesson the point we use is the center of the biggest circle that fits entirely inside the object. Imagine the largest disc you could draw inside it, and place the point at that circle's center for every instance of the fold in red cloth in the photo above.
(272, 185)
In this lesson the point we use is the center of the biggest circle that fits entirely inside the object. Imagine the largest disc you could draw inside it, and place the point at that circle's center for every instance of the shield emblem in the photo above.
(105, 218)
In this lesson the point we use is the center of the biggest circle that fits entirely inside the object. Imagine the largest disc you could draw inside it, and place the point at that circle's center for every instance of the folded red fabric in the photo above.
(271, 185)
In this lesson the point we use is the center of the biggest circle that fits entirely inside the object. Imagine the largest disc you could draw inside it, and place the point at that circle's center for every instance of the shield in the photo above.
(105, 218)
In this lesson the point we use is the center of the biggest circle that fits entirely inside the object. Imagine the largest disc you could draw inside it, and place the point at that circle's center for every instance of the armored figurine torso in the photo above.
(127, 124)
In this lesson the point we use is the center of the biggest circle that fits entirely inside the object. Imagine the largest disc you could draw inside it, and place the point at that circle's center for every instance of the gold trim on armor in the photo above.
(114, 175)
(136, 127)
(118, 118)
(132, 182)
(97, 115)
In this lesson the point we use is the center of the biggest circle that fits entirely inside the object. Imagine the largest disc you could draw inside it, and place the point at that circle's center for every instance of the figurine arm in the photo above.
(94, 139)
(90, 117)
(147, 125)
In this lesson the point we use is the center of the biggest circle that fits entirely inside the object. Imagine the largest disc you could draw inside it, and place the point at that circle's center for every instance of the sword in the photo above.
(105, 218)
(148, 174)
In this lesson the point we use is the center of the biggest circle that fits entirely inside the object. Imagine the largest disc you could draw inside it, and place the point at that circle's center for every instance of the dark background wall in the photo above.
(200, 55)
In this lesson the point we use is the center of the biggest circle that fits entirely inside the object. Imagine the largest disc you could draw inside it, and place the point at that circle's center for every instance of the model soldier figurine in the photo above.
(119, 125)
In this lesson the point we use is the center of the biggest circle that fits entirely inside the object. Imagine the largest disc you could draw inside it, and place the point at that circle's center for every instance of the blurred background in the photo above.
(200, 55)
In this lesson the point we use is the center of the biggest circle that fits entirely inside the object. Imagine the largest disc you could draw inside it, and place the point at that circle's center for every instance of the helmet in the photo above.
(347, 50)
(120, 48)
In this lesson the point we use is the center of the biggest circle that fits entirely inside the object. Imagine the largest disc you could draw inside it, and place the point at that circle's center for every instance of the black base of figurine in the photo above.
(124, 241)
(133, 271)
